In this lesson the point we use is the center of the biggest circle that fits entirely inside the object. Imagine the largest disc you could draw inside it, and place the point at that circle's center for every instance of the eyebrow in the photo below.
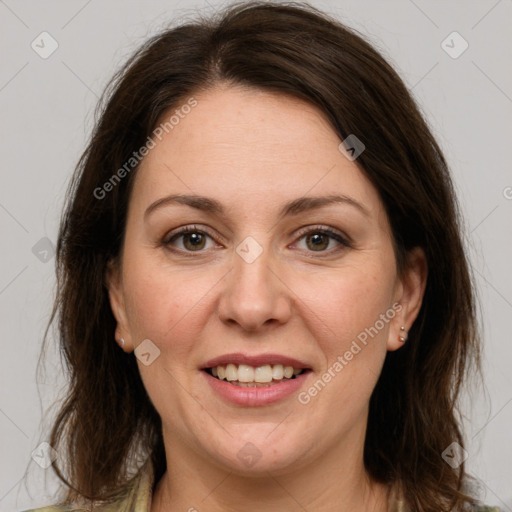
(294, 207)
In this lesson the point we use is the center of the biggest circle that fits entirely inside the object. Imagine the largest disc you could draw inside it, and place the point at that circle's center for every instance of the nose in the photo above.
(255, 295)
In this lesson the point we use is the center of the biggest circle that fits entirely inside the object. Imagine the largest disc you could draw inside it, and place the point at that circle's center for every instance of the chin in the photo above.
(257, 456)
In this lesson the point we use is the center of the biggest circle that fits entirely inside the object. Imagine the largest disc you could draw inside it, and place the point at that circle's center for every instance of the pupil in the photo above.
(317, 239)
(195, 239)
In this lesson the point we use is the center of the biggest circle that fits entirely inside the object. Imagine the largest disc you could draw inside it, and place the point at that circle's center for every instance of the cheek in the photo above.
(351, 300)
(345, 319)
(354, 345)
(164, 303)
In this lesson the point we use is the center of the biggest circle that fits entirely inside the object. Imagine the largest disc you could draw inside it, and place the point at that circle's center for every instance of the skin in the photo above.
(253, 151)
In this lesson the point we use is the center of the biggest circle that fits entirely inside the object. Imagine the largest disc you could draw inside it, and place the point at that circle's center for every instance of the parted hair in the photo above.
(291, 49)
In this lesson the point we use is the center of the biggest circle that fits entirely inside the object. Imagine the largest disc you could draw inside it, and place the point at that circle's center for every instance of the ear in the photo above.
(409, 295)
(113, 282)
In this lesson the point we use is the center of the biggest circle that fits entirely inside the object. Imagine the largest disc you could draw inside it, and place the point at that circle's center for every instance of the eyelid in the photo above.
(189, 228)
(333, 233)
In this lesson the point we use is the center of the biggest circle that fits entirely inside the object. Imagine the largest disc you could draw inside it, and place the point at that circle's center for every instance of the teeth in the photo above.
(277, 371)
(263, 373)
(244, 374)
(231, 372)
(288, 372)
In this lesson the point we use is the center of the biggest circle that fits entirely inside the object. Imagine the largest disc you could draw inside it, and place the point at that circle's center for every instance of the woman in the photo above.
(266, 226)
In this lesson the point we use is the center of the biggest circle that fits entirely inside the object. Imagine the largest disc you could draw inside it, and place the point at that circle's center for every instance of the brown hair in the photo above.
(296, 50)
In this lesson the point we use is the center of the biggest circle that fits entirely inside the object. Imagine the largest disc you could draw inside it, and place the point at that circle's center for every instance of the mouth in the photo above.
(251, 380)
(244, 375)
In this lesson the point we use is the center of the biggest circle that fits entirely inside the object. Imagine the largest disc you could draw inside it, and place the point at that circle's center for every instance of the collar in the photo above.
(140, 493)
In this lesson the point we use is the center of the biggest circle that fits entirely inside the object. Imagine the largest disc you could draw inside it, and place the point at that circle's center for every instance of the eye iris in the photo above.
(195, 239)
(318, 242)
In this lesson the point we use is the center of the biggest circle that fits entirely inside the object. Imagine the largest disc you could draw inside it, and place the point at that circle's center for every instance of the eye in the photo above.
(318, 238)
(193, 239)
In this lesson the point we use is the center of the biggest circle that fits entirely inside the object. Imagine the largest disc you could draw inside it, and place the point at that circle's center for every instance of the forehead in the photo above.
(250, 147)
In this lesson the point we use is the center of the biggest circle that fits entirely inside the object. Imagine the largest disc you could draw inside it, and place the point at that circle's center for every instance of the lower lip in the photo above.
(253, 397)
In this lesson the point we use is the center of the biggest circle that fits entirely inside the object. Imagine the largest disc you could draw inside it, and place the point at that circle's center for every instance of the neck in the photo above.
(336, 483)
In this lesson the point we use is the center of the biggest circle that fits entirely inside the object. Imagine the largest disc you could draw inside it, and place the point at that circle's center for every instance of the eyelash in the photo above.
(302, 233)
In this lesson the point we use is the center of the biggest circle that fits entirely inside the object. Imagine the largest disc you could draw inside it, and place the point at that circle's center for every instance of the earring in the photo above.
(121, 342)
(403, 337)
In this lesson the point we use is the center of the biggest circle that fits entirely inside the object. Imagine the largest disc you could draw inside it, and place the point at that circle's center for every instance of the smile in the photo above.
(249, 376)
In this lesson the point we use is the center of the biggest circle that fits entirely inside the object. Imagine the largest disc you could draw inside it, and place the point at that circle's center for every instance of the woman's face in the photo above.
(258, 282)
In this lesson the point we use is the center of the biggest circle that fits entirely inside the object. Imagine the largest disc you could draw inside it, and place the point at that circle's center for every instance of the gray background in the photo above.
(47, 114)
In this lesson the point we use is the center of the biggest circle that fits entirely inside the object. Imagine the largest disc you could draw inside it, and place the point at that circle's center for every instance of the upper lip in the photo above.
(255, 360)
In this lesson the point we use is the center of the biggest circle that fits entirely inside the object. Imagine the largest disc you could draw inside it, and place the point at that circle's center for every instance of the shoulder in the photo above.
(136, 496)
(113, 507)
(53, 508)
(68, 508)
